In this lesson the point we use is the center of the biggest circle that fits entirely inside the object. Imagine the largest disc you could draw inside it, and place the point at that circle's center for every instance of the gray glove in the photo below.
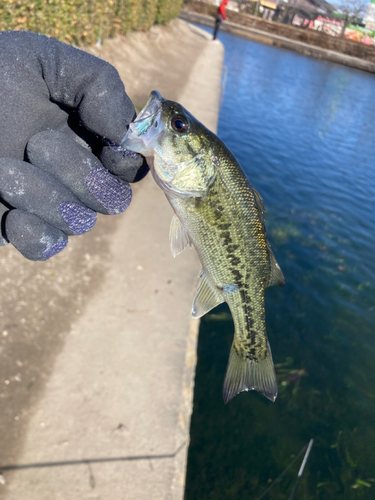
(63, 112)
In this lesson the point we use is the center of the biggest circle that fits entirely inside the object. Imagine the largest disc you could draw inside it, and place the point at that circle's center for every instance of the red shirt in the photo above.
(221, 9)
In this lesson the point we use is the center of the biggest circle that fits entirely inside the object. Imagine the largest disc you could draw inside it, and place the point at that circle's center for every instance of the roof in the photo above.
(317, 7)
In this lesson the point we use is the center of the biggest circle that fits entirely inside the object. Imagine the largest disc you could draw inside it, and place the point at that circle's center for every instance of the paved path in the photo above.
(109, 364)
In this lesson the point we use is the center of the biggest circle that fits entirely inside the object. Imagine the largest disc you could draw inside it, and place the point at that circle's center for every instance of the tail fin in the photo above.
(249, 374)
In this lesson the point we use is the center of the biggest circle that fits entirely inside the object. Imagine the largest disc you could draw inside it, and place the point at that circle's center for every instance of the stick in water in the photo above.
(300, 472)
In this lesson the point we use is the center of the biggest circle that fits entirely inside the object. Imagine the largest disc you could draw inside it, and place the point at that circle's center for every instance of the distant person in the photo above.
(221, 16)
(63, 114)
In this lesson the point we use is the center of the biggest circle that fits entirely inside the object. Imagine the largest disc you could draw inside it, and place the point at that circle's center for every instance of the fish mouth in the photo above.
(146, 127)
(153, 105)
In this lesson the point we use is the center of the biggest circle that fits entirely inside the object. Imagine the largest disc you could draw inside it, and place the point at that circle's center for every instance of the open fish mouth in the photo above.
(154, 104)
(146, 127)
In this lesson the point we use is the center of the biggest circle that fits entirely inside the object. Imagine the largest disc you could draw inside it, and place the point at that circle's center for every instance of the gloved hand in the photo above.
(62, 113)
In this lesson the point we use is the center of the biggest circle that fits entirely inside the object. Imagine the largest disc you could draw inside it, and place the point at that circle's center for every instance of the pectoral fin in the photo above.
(276, 277)
(178, 237)
(206, 298)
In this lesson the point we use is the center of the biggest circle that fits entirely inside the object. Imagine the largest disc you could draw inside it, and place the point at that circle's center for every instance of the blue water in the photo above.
(304, 132)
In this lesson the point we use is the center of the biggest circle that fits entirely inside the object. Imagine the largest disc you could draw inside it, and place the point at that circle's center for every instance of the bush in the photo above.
(167, 10)
(83, 22)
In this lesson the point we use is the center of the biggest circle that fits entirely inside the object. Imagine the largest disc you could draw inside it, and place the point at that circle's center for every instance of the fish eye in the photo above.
(180, 124)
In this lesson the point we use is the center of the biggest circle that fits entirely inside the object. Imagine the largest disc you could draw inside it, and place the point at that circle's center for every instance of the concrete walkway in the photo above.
(281, 42)
(112, 375)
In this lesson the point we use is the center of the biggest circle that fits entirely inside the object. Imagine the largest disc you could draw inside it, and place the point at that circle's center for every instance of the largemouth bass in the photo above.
(220, 214)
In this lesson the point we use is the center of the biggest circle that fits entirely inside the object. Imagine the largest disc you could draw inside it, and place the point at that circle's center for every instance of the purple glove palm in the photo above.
(62, 113)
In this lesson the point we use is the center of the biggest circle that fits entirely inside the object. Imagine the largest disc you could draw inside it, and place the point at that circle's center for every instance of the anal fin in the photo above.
(206, 297)
(245, 374)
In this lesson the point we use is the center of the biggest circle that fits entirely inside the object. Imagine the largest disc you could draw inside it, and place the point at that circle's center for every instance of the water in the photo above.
(304, 132)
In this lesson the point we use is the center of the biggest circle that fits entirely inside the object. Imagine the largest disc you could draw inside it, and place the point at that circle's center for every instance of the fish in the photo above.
(219, 213)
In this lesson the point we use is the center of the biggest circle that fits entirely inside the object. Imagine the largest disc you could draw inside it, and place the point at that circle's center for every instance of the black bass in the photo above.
(221, 215)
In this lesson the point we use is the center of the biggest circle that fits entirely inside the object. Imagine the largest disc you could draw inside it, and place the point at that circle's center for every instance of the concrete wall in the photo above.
(307, 36)
(269, 38)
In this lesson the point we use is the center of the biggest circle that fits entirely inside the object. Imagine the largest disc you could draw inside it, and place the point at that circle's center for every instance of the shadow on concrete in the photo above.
(88, 461)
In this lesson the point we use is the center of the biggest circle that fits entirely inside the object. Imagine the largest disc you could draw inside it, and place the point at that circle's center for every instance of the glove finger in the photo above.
(34, 238)
(44, 80)
(129, 166)
(126, 165)
(28, 188)
(80, 80)
(3, 210)
(80, 171)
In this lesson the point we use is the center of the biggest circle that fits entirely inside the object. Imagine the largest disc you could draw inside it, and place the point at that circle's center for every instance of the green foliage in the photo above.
(83, 22)
(167, 10)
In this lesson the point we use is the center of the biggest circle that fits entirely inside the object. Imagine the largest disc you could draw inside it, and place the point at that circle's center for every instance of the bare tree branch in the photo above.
(352, 8)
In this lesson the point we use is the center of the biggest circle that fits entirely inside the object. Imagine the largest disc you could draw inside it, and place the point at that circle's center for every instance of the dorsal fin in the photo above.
(258, 201)
(276, 277)
(178, 237)
(206, 297)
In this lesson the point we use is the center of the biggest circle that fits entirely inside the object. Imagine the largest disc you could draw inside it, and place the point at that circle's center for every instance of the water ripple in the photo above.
(303, 131)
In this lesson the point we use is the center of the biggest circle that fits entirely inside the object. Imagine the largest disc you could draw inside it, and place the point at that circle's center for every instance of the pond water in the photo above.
(304, 132)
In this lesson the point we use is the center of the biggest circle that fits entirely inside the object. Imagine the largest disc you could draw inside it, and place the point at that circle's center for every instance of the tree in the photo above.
(352, 10)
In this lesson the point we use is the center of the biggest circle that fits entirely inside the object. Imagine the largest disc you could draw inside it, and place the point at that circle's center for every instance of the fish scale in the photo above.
(232, 244)
(221, 215)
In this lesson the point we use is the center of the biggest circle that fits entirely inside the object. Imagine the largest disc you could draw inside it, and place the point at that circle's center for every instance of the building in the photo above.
(369, 17)
(304, 9)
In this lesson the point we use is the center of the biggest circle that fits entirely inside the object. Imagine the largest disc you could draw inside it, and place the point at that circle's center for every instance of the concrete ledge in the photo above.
(110, 413)
(282, 42)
